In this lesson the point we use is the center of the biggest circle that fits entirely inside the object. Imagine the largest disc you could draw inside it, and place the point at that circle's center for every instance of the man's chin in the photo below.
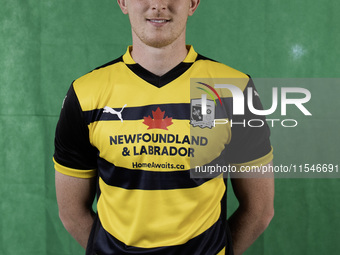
(158, 42)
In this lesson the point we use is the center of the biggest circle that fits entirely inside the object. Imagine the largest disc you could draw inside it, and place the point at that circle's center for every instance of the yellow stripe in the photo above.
(154, 218)
(214, 143)
(128, 89)
(222, 252)
(74, 172)
(101, 131)
(132, 90)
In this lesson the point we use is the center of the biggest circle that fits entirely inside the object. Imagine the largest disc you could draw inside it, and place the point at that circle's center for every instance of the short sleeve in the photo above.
(250, 144)
(74, 155)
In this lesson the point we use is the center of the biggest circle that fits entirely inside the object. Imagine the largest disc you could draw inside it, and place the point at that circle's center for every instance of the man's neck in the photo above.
(159, 61)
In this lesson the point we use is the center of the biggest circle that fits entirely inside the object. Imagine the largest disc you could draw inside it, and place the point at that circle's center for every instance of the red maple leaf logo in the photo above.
(157, 121)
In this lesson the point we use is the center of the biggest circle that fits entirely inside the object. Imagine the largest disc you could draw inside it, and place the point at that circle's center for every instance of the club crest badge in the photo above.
(197, 119)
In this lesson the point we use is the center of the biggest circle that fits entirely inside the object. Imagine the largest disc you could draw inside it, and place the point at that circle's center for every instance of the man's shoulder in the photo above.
(220, 70)
(100, 76)
(102, 70)
(109, 64)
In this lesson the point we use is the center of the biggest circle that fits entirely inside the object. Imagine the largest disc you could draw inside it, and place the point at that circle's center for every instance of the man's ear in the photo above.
(123, 6)
(193, 6)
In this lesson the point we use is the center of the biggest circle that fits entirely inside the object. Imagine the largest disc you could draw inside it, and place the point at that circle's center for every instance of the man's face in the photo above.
(158, 23)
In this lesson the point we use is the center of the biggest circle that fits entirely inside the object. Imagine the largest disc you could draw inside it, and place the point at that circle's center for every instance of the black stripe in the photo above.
(146, 180)
(175, 111)
(210, 242)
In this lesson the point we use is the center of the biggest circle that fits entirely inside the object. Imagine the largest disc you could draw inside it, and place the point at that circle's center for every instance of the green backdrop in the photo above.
(45, 44)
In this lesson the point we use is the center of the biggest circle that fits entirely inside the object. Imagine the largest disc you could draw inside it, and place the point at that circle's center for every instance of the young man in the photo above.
(108, 143)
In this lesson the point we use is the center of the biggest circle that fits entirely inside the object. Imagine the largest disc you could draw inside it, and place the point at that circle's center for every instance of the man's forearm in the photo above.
(246, 226)
(75, 197)
(79, 226)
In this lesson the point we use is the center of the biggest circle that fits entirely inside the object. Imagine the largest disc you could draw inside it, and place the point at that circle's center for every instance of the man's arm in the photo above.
(75, 197)
(255, 211)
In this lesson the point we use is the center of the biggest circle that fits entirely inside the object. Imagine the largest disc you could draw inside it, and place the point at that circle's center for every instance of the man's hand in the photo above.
(75, 197)
(255, 211)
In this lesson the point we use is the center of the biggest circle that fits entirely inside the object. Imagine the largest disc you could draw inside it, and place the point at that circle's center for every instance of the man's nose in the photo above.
(158, 5)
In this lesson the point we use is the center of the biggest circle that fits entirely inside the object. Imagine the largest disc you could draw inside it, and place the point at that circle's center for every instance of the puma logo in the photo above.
(112, 111)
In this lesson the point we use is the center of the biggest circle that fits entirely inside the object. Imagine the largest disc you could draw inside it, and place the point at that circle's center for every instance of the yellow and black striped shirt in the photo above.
(134, 131)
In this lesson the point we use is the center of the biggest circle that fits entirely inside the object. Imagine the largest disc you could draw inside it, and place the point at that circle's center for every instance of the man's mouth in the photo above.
(159, 21)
